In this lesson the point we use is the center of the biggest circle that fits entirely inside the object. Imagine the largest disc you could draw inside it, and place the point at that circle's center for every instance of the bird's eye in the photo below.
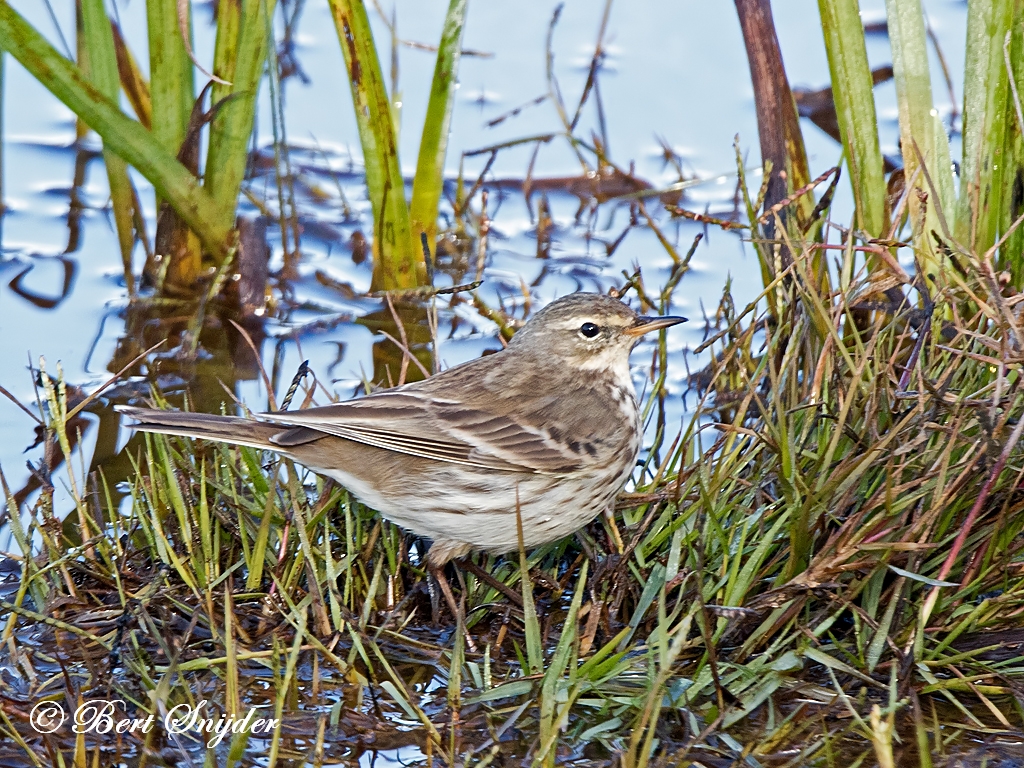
(589, 330)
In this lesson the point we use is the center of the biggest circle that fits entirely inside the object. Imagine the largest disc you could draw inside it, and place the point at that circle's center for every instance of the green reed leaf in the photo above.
(429, 179)
(122, 135)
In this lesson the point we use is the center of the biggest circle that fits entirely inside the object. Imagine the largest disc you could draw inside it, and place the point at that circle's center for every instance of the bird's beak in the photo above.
(647, 324)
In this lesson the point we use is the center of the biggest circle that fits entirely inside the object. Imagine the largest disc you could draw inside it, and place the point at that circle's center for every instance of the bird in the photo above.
(544, 433)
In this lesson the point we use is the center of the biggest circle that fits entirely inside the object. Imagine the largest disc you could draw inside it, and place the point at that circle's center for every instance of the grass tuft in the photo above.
(828, 556)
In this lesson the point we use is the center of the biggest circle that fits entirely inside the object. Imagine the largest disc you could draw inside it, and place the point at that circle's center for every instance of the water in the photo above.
(674, 71)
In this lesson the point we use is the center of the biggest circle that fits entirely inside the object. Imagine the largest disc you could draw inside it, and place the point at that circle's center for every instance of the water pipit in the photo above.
(549, 426)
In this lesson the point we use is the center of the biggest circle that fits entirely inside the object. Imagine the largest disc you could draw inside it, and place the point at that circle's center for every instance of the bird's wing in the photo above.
(425, 425)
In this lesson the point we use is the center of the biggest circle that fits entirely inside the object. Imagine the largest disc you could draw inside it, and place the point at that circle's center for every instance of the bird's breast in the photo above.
(621, 416)
(625, 400)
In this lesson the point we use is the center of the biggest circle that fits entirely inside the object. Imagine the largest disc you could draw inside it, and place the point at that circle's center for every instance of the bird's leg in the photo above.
(439, 580)
(441, 552)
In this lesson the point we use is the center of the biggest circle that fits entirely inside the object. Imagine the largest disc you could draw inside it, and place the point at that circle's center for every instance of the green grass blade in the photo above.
(171, 83)
(531, 623)
(429, 179)
(984, 124)
(120, 133)
(29, 568)
(882, 633)
(225, 47)
(172, 92)
(855, 108)
(914, 99)
(458, 661)
(398, 261)
(239, 57)
(99, 41)
(1014, 153)
(552, 717)
(944, 184)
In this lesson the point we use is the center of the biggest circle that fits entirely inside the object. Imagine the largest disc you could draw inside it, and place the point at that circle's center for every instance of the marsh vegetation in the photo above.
(818, 560)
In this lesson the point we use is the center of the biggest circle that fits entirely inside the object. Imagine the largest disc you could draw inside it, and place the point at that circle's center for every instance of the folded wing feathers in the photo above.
(401, 421)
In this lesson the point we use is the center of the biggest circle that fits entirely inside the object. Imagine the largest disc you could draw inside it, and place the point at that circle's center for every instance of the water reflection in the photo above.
(405, 353)
(34, 297)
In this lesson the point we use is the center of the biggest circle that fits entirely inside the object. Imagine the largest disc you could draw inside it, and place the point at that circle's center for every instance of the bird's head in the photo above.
(588, 330)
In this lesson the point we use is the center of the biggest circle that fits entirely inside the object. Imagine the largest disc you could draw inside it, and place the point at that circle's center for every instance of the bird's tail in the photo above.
(224, 429)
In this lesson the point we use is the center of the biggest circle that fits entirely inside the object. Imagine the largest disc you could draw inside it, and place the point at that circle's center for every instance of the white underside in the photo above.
(551, 507)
